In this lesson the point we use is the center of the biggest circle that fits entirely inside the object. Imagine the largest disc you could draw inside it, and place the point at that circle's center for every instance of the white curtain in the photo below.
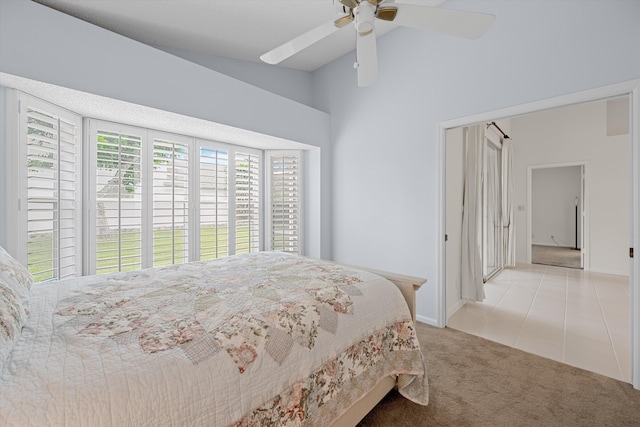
(508, 226)
(472, 285)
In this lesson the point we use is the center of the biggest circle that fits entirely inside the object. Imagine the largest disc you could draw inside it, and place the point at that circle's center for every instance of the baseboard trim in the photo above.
(428, 320)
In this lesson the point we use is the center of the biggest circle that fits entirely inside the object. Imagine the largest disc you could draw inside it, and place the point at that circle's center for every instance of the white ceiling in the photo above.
(239, 29)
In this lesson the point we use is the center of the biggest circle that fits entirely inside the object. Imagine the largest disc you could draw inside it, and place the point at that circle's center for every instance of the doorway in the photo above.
(630, 90)
(557, 215)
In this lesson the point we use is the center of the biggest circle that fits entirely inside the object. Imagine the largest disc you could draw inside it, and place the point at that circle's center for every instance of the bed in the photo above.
(257, 339)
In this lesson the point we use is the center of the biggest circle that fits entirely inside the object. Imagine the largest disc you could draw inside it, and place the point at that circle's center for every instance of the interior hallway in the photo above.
(569, 315)
(555, 255)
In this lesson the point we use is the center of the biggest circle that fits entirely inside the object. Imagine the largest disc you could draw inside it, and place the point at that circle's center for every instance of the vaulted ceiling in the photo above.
(239, 29)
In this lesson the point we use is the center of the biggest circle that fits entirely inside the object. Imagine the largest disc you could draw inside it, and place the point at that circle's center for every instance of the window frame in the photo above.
(16, 165)
(191, 224)
(261, 201)
(195, 145)
(231, 150)
(269, 224)
(86, 192)
(90, 166)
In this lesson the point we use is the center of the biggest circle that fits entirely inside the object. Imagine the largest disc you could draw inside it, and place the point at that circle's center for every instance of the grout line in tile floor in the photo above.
(606, 325)
(528, 310)
(587, 338)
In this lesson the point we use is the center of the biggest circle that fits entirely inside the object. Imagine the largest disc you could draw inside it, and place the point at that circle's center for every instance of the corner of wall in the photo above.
(428, 320)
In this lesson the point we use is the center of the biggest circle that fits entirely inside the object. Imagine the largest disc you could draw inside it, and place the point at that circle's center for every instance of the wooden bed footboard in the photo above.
(408, 285)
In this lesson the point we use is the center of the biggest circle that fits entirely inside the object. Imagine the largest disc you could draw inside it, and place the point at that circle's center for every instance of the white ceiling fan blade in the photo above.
(469, 25)
(299, 43)
(367, 59)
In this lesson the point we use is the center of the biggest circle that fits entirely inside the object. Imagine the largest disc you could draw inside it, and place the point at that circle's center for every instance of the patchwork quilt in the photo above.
(257, 339)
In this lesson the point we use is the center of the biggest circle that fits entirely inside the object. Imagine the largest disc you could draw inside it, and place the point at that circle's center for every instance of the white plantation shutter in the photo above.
(161, 199)
(247, 202)
(285, 201)
(170, 202)
(50, 190)
(214, 202)
(118, 200)
(149, 198)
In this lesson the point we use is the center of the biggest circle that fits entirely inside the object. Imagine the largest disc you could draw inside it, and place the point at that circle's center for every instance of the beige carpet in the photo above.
(555, 255)
(475, 382)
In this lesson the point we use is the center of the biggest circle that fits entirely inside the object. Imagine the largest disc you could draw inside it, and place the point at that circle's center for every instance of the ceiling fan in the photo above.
(363, 13)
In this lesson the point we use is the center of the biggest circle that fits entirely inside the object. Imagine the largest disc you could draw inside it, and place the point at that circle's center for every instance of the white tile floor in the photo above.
(576, 317)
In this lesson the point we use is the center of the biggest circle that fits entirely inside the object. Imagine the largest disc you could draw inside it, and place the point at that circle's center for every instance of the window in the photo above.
(164, 199)
(118, 200)
(170, 202)
(149, 198)
(247, 213)
(47, 235)
(285, 204)
(214, 202)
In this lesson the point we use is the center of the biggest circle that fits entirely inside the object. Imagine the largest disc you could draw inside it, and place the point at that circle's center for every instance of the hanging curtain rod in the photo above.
(498, 127)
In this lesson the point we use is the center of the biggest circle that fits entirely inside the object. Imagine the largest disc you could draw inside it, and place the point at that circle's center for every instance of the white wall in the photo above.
(290, 83)
(385, 137)
(578, 133)
(553, 200)
(65, 51)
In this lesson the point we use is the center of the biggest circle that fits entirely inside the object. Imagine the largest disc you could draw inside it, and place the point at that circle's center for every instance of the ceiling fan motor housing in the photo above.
(365, 14)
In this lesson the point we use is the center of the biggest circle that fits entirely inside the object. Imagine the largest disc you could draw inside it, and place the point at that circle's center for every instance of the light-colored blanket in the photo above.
(247, 340)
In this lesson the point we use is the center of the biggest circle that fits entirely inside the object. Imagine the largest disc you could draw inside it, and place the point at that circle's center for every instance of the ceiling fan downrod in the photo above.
(365, 15)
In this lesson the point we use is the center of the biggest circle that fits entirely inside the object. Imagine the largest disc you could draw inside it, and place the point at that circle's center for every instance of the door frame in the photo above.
(630, 88)
(584, 211)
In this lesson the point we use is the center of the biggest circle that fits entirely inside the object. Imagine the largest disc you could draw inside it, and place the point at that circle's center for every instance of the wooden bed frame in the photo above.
(408, 285)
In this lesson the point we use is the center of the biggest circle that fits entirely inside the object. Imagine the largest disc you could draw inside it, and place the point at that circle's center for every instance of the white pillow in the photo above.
(15, 283)
(15, 275)
(13, 316)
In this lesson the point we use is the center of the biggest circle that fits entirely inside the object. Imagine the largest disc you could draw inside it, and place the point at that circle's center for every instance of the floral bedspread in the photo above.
(257, 339)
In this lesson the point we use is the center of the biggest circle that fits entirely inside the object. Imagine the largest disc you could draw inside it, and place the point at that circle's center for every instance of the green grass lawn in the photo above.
(39, 257)
(167, 249)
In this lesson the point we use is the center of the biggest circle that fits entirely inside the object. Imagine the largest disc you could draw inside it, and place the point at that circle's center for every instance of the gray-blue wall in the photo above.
(64, 51)
(385, 200)
(379, 149)
(290, 83)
